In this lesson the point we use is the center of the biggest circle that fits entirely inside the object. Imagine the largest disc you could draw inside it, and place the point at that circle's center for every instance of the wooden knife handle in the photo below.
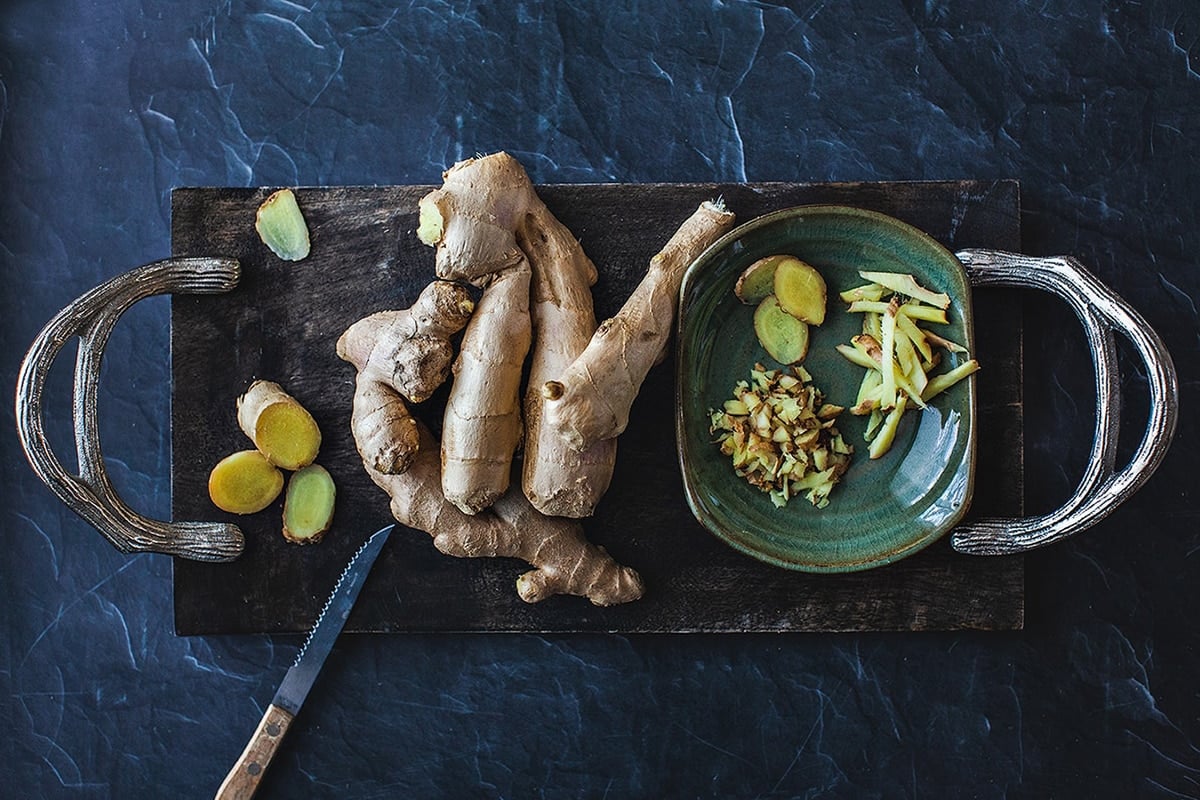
(242, 780)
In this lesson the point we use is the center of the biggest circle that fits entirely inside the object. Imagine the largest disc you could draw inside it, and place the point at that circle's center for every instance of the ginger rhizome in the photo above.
(591, 400)
(482, 424)
(557, 480)
(564, 561)
(492, 230)
(410, 352)
(472, 221)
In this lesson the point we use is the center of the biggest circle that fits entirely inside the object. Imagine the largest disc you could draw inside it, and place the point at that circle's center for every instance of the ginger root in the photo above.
(472, 220)
(564, 561)
(490, 229)
(482, 424)
(279, 426)
(591, 401)
(244, 483)
(558, 480)
(410, 352)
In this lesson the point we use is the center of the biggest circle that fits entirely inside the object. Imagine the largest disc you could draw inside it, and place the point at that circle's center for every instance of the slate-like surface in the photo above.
(1092, 105)
(282, 320)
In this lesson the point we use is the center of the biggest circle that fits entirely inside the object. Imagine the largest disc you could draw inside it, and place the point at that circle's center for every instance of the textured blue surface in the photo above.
(104, 106)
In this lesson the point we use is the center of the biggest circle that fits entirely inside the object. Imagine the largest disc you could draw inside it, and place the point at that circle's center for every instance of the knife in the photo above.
(242, 780)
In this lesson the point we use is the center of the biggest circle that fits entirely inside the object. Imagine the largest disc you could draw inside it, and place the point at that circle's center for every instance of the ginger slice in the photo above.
(758, 280)
(801, 290)
(308, 505)
(784, 337)
(281, 226)
(279, 426)
(244, 483)
(591, 401)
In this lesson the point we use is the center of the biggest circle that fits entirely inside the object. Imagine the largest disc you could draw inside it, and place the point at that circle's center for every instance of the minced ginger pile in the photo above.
(782, 437)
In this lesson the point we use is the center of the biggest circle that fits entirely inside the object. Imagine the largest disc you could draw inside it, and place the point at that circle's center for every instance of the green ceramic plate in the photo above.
(883, 510)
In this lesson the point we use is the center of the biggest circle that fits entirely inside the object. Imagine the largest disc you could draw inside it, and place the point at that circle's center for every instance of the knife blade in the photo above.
(242, 780)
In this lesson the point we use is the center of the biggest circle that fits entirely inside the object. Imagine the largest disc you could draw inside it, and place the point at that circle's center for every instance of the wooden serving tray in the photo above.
(281, 324)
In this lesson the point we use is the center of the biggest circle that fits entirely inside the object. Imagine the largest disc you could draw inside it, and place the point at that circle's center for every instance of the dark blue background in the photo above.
(1094, 106)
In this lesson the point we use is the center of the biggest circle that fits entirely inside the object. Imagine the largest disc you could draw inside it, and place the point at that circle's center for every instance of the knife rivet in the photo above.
(273, 729)
(253, 768)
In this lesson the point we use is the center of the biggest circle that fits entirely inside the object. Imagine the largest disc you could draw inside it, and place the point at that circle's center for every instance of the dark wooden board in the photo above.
(283, 319)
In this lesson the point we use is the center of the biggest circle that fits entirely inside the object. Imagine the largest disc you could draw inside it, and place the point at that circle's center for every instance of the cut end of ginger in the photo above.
(279, 426)
(430, 223)
(287, 435)
(244, 483)
(308, 507)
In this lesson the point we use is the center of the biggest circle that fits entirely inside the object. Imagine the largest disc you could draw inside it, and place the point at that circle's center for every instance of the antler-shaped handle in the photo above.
(1102, 312)
(90, 493)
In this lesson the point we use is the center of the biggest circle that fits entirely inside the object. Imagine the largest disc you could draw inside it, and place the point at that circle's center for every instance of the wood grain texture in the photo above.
(281, 324)
(242, 781)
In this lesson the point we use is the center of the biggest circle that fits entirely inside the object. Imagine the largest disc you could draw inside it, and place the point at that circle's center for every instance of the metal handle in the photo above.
(1102, 312)
(90, 494)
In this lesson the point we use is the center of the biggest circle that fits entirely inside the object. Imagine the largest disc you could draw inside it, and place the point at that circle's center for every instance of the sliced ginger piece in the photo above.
(308, 506)
(784, 337)
(801, 290)
(279, 426)
(281, 226)
(758, 280)
(244, 483)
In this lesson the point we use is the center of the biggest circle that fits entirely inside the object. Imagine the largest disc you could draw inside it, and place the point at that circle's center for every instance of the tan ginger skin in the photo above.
(472, 220)
(591, 400)
(406, 351)
(564, 561)
(386, 434)
(492, 230)
(488, 219)
(558, 480)
(481, 428)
